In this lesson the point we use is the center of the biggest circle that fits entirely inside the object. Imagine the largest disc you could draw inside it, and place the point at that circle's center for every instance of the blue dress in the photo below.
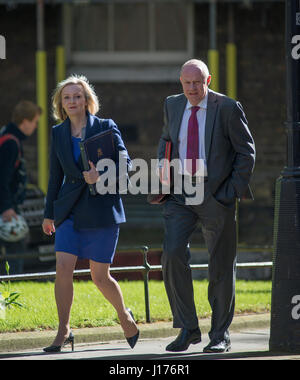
(94, 244)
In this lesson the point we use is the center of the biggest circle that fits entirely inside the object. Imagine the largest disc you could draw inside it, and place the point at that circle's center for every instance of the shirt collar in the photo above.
(202, 104)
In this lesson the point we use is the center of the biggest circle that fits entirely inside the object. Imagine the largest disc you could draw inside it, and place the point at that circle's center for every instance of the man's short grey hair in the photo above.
(200, 64)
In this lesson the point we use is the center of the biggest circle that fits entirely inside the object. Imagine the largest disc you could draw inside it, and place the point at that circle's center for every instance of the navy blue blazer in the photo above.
(67, 189)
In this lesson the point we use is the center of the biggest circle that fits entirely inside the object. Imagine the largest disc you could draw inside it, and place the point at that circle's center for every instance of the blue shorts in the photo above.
(94, 244)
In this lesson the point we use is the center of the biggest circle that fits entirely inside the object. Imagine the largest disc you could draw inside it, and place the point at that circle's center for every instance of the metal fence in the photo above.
(145, 269)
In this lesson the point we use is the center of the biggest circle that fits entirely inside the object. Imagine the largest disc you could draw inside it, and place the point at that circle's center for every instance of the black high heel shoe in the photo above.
(69, 340)
(133, 339)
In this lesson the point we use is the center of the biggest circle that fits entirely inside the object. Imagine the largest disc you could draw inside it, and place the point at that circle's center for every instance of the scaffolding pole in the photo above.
(231, 57)
(41, 93)
(213, 54)
(60, 51)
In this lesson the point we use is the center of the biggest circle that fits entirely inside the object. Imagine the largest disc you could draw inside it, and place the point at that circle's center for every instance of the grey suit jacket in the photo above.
(229, 146)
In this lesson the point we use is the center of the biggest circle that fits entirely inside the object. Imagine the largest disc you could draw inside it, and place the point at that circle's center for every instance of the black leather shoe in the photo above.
(133, 339)
(218, 346)
(184, 339)
(69, 340)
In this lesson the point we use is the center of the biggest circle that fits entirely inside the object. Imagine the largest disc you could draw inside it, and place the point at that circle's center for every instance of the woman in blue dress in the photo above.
(85, 225)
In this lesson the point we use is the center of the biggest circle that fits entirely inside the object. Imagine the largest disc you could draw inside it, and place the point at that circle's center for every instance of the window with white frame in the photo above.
(148, 38)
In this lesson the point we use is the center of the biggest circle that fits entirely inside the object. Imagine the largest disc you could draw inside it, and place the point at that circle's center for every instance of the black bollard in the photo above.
(285, 310)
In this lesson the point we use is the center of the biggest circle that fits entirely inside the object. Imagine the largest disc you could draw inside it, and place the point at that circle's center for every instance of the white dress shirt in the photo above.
(183, 136)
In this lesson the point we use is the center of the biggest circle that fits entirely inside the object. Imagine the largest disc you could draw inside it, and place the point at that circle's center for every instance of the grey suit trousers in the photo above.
(219, 231)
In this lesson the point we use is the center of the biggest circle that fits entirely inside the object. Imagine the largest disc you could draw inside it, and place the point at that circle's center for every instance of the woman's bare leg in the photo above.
(113, 293)
(65, 265)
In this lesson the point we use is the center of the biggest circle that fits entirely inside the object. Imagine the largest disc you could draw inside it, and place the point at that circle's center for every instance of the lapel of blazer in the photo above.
(67, 149)
(90, 127)
(89, 131)
(211, 112)
(179, 108)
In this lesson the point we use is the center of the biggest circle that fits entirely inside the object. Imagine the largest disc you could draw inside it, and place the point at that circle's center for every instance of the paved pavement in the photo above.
(249, 337)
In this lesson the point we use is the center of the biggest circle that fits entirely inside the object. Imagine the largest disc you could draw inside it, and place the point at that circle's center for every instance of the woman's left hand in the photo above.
(92, 175)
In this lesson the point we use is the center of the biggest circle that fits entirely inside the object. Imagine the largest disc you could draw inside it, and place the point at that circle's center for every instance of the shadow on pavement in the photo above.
(10, 355)
(196, 356)
(67, 355)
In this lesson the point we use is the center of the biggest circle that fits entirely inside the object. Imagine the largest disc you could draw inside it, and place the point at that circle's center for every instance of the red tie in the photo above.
(192, 151)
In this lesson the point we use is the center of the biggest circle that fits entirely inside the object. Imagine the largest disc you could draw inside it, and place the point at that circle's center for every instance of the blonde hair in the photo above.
(90, 96)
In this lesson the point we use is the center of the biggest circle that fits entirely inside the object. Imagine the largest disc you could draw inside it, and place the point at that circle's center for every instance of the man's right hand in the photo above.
(7, 215)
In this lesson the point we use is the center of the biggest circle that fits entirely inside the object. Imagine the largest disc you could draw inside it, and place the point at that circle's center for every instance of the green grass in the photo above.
(90, 309)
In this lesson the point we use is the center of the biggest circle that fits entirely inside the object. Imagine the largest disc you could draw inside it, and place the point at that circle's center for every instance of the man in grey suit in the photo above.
(204, 125)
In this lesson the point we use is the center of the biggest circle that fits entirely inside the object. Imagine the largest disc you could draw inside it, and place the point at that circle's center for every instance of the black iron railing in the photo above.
(145, 269)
